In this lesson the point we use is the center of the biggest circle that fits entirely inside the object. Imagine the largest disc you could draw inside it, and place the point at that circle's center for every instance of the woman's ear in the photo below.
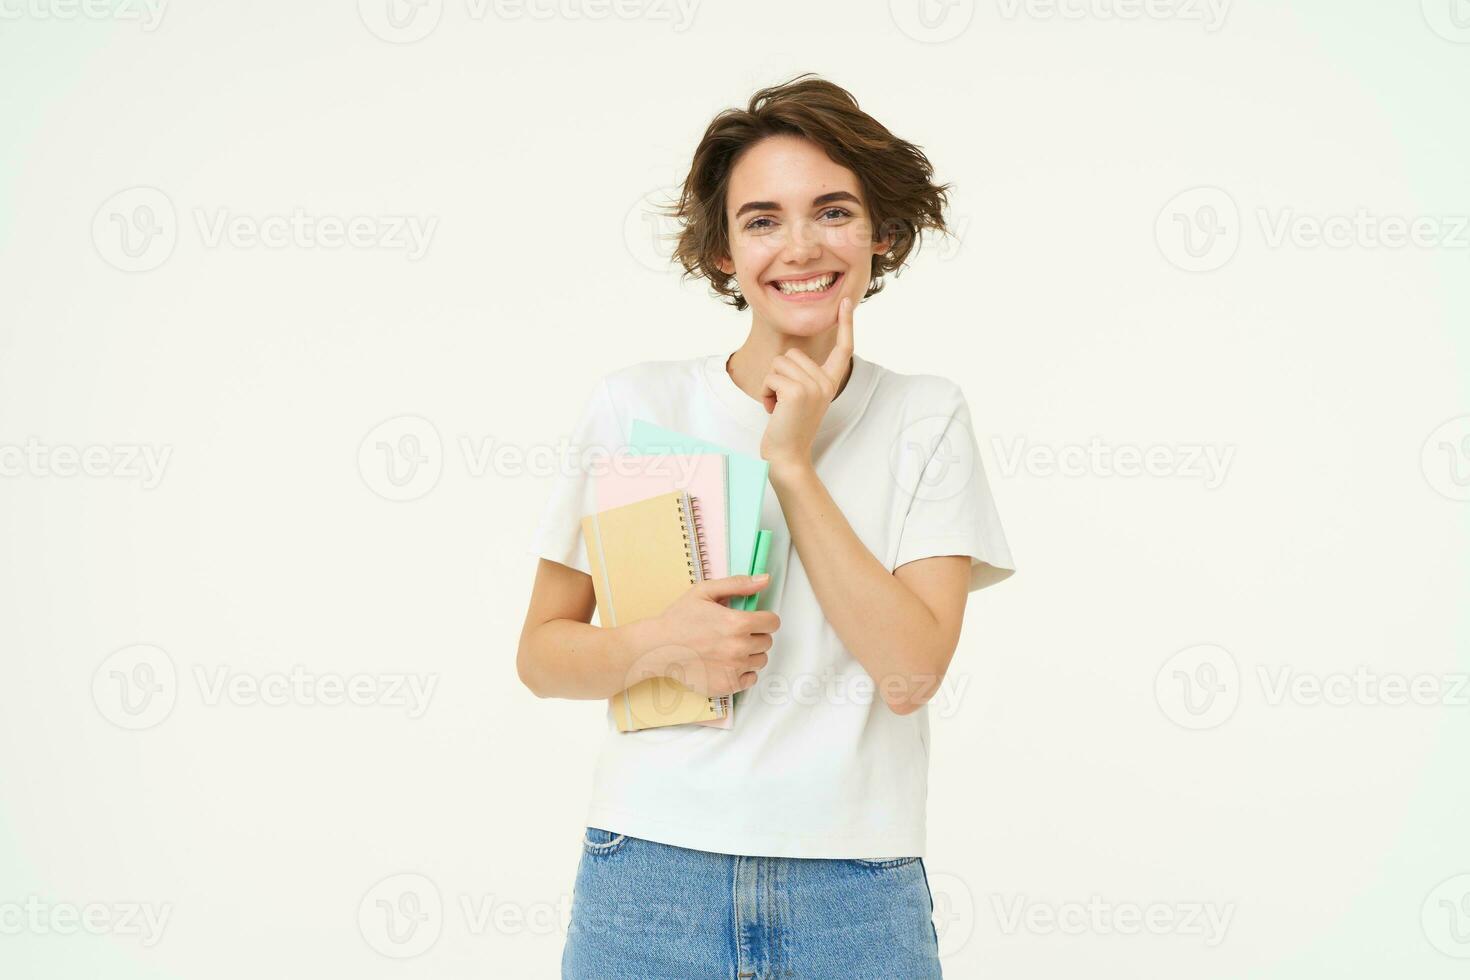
(726, 266)
(883, 244)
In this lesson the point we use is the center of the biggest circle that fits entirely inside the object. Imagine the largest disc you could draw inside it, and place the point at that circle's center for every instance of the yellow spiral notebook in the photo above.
(643, 556)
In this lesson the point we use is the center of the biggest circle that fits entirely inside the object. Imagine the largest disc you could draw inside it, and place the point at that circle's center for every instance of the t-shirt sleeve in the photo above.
(598, 434)
(951, 511)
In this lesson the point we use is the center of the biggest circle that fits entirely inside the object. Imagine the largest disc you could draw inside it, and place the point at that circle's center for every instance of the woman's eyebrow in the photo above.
(820, 199)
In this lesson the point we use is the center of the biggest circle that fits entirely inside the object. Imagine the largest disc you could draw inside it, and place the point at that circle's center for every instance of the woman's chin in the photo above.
(806, 323)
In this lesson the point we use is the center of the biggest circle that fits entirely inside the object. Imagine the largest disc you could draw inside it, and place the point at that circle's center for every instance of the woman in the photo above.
(791, 845)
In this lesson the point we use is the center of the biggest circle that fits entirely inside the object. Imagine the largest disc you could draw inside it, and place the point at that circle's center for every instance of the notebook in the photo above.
(704, 476)
(643, 556)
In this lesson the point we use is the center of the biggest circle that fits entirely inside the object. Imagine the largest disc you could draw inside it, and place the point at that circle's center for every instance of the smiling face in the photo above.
(800, 235)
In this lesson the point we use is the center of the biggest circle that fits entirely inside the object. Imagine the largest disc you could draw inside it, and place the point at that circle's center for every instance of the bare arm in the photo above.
(902, 627)
(698, 640)
(562, 655)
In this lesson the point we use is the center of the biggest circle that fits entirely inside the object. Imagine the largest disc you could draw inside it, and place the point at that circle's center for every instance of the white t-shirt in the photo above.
(816, 764)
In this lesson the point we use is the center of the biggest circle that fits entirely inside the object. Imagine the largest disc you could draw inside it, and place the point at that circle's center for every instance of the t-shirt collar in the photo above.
(752, 414)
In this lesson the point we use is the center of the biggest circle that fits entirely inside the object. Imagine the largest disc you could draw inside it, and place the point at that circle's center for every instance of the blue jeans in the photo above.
(648, 911)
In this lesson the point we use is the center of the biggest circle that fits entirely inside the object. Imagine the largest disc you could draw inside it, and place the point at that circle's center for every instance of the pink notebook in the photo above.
(704, 475)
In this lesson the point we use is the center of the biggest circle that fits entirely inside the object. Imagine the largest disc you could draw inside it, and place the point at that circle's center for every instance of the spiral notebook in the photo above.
(705, 476)
(643, 556)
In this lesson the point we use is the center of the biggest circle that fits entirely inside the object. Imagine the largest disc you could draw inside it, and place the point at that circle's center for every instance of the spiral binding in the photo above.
(721, 702)
(699, 532)
(697, 518)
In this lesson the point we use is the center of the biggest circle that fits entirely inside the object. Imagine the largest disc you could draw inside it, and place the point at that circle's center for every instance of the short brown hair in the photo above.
(896, 178)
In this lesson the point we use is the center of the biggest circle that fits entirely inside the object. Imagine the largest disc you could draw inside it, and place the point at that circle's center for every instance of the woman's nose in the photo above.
(801, 242)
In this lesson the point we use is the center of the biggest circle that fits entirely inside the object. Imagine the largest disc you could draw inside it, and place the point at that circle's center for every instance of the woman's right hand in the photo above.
(709, 647)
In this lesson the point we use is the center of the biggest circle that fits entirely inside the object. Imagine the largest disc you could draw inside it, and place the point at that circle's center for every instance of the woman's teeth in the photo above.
(817, 285)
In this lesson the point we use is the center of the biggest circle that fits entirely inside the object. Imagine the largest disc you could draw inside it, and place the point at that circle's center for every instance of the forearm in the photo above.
(564, 658)
(879, 619)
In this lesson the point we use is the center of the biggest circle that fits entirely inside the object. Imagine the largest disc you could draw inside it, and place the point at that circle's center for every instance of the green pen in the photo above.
(757, 567)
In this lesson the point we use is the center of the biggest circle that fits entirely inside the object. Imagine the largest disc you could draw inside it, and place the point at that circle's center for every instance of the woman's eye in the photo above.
(756, 222)
(841, 211)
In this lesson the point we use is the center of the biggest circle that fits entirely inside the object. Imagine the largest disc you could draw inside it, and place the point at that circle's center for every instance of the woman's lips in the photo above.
(809, 297)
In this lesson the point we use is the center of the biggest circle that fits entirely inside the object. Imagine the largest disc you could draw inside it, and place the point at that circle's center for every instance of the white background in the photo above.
(1074, 763)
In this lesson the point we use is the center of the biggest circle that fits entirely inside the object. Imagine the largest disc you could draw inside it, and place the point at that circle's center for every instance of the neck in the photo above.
(750, 364)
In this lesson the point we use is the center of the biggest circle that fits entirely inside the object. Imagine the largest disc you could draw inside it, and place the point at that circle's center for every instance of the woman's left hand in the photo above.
(798, 392)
